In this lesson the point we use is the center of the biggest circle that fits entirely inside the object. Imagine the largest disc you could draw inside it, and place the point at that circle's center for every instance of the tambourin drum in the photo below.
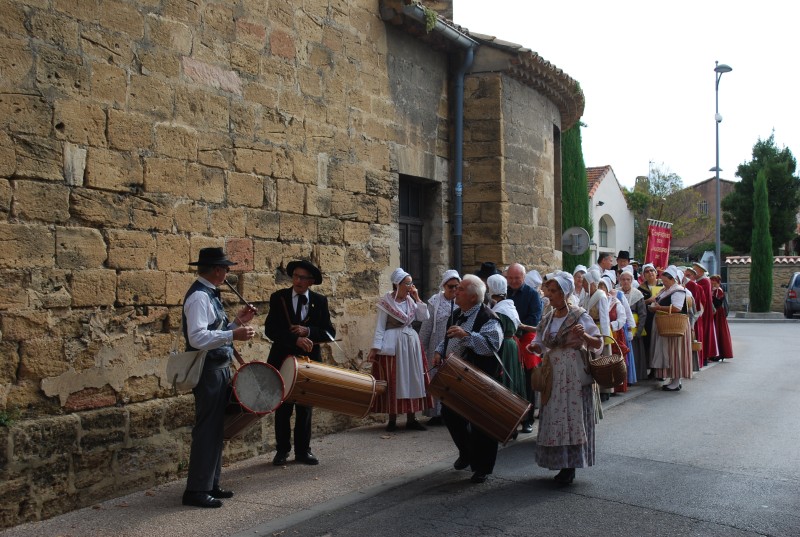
(478, 398)
(332, 388)
(257, 390)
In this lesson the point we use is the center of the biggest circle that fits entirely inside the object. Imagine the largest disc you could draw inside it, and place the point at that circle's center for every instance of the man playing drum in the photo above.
(475, 336)
(206, 327)
(297, 319)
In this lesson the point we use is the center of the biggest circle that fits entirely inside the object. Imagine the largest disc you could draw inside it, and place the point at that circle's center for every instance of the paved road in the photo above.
(721, 457)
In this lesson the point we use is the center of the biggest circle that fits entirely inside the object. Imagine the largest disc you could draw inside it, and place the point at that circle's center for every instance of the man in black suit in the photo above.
(297, 319)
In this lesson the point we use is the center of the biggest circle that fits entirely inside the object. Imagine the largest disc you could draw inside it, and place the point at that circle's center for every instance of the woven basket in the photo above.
(697, 346)
(609, 371)
(671, 324)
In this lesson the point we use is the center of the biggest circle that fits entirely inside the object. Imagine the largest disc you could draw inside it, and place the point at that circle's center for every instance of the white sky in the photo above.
(647, 70)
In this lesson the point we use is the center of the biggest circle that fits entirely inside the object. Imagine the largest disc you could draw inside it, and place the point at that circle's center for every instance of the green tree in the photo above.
(783, 188)
(575, 192)
(761, 248)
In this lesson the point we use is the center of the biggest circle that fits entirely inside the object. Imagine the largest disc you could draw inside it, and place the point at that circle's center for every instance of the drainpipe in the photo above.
(461, 40)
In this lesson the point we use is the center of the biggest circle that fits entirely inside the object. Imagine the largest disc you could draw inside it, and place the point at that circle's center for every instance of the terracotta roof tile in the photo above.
(746, 260)
(595, 176)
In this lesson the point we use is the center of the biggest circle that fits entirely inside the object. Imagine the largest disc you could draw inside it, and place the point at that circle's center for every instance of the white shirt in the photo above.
(199, 314)
(304, 310)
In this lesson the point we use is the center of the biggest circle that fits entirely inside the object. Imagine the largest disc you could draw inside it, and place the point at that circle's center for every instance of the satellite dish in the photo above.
(575, 241)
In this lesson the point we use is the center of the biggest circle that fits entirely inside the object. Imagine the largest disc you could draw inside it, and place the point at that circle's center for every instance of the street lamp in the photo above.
(719, 70)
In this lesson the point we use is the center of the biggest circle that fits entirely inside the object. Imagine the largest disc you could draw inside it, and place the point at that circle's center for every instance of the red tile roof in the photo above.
(779, 260)
(595, 176)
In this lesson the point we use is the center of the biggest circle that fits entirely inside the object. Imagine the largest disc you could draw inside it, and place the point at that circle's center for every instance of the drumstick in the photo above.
(334, 341)
(246, 303)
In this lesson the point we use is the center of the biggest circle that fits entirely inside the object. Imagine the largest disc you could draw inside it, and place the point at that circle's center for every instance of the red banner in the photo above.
(659, 235)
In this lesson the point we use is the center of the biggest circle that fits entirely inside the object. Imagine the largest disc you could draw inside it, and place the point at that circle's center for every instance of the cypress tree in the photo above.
(761, 249)
(575, 192)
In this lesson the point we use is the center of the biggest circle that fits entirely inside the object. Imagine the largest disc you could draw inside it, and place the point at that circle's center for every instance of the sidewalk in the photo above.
(354, 465)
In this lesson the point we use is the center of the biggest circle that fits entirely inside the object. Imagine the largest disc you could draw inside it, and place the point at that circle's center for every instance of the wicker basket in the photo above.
(671, 324)
(697, 346)
(609, 371)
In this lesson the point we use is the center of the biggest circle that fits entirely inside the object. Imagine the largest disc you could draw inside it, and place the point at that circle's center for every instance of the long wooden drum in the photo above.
(332, 388)
(257, 390)
(478, 398)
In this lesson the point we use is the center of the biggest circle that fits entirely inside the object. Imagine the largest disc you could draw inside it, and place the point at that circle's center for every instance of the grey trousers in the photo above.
(211, 396)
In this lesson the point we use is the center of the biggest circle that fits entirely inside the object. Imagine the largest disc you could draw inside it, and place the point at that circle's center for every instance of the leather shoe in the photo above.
(460, 463)
(200, 499)
(280, 458)
(391, 426)
(566, 476)
(414, 425)
(479, 477)
(527, 428)
(221, 494)
(307, 458)
(666, 388)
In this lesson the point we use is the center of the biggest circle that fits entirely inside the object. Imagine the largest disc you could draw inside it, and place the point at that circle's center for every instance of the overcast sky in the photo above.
(647, 70)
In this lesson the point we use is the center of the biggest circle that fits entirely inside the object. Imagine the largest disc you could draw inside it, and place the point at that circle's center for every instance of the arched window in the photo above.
(603, 233)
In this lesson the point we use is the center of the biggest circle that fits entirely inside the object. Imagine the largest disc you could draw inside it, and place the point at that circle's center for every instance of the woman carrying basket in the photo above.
(672, 353)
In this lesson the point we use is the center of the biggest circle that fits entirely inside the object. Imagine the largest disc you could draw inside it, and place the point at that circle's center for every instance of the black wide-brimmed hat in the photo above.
(307, 265)
(209, 257)
(487, 269)
(624, 254)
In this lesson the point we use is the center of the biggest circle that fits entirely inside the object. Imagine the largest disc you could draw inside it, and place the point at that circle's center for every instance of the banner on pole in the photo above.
(659, 236)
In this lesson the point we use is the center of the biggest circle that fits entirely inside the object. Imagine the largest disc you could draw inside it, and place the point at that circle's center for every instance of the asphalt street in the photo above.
(719, 457)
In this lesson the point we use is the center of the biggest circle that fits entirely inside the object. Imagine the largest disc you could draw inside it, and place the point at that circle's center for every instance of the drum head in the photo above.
(289, 374)
(258, 387)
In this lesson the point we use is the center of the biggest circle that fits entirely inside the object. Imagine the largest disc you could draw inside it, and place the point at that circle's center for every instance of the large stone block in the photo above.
(262, 224)
(245, 60)
(62, 71)
(24, 114)
(96, 287)
(356, 233)
(330, 231)
(256, 159)
(9, 351)
(16, 58)
(154, 212)
(8, 163)
(179, 412)
(214, 150)
(94, 467)
(80, 248)
(41, 358)
(168, 34)
(257, 287)
(198, 242)
(130, 250)
(120, 16)
(228, 222)
(172, 252)
(40, 439)
(100, 208)
(245, 189)
(80, 123)
(129, 131)
(140, 388)
(165, 175)
(19, 325)
(109, 84)
(41, 201)
(38, 158)
(298, 227)
(113, 170)
(266, 256)
(176, 141)
(150, 96)
(26, 246)
(318, 201)
(191, 218)
(177, 285)
(291, 196)
(141, 287)
(205, 183)
(201, 108)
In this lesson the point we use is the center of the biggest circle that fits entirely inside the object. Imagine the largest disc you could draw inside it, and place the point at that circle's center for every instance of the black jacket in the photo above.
(281, 316)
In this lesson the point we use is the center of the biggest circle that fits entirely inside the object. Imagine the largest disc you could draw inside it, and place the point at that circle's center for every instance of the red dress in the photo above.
(706, 322)
(721, 321)
(699, 301)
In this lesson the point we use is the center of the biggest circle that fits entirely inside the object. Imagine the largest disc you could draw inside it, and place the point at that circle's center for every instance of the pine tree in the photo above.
(761, 249)
(575, 192)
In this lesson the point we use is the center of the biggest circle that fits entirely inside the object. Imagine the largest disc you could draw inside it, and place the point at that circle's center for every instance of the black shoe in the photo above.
(280, 458)
(604, 397)
(391, 426)
(461, 463)
(200, 499)
(414, 425)
(220, 494)
(307, 458)
(565, 476)
(435, 421)
(666, 388)
(527, 428)
(479, 477)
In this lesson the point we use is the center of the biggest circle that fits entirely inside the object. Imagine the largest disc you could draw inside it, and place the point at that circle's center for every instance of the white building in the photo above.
(611, 219)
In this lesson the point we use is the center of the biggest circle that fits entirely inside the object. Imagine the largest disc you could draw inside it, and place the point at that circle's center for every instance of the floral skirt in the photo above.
(571, 456)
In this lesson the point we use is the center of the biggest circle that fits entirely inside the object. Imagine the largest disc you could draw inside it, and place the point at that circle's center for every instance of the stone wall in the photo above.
(739, 284)
(133, 133)
(509, 174)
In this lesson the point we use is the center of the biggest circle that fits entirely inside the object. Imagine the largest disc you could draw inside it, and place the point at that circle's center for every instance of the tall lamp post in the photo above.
(719, 70)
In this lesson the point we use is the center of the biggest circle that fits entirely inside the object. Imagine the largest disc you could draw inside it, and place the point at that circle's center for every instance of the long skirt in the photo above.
(672, 356)
(724, 343)
(570, 456)
(640, 357)
(385, 368)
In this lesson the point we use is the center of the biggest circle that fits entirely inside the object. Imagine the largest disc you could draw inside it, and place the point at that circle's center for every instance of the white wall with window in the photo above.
(611, 218)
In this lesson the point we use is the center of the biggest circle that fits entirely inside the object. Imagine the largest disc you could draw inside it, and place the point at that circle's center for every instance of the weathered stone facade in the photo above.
(133, 133)
(739, 281)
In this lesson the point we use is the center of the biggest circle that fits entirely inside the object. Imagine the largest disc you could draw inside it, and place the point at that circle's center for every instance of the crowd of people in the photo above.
(504, 323)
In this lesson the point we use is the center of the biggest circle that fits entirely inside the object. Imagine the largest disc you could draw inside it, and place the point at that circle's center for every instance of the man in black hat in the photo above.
(297, 319)
(206, 327)
(623, 260)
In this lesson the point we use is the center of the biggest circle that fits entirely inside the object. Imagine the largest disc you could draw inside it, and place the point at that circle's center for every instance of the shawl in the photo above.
(388, 304)
(506, 307)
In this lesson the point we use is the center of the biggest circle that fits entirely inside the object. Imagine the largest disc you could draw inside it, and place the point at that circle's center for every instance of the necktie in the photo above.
(462, 319)
(216, 293)
(301, 300)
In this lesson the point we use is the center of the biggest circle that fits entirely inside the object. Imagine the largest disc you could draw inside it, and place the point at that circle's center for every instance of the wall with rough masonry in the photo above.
(509, 174)
(739, 285)
(133, 133)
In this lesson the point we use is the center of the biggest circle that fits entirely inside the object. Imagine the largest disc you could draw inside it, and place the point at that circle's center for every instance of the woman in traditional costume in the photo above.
(636, 324)
(617, 321)
(397, 354)
(512, 371)
(724, 343)
(672, 355)
(565, 336)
